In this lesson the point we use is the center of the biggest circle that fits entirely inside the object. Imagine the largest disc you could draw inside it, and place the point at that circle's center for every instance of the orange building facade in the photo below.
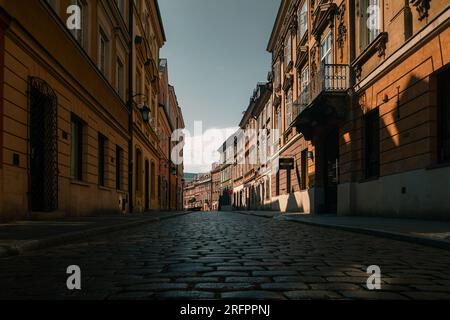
(394, 148)
(64, 115)
(358, 119)
(74, 137)
(359, 95)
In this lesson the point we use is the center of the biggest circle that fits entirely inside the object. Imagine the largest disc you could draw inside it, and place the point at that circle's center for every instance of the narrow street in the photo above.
(229, 255)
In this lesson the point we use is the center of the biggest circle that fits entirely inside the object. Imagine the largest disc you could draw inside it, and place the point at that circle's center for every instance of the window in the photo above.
(119, 155)
(372, 144)
(289, 108)
(138, 80)
(54, 4)
(326, 56)
(303, 19)
(277, 72)
(287, 51)
(103, 53)
(101, 159)
(369, 22)
(120, 78)
(153, 180)
(76, 154)
(443, 94)
(304, 169)
(121, 6)
(80, 34)
(138, 170)
(278, 125)
(304, 79)
(277, 183)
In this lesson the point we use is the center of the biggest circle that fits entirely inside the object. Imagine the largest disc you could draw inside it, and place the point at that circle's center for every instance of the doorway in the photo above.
(331, 177)
(43, 157)
(147, 185)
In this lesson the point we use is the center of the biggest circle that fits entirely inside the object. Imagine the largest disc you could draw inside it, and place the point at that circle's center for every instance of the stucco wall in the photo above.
(421, 194)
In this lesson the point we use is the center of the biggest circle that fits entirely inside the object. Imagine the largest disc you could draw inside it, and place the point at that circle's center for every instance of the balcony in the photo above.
(324, 98)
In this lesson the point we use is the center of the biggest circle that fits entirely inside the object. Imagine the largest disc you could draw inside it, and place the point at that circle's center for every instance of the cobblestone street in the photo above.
(229, 255)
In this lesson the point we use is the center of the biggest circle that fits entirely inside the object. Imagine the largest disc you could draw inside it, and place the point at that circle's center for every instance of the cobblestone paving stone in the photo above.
(229, 256)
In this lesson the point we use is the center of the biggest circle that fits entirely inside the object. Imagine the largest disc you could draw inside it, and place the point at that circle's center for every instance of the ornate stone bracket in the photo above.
(288, 81)
(381, 47)
(358, 72)
(422, 7)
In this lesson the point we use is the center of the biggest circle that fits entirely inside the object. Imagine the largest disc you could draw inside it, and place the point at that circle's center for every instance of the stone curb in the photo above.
(379, 233)
(373, 232)
(7, 251)
(257, 215)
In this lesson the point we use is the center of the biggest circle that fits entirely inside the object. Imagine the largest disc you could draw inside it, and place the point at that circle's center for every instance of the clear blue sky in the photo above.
(216, 50)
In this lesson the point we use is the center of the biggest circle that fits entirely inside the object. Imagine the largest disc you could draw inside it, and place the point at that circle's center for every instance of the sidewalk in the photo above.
(22, 236)
(425, 232)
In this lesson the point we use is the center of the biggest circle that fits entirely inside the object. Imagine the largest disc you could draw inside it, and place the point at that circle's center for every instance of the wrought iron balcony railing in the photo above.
(331, 78)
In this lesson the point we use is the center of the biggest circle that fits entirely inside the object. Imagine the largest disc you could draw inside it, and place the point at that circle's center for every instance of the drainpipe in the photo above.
(130, 105)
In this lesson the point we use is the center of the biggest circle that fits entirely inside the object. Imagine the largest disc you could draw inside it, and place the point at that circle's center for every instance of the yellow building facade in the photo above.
(147, 41)
(64, 113)
(66, 130)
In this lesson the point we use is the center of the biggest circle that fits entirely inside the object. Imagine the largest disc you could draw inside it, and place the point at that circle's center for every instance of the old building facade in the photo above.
(226, 156)
(394, 145)
(64, 117)
(197, 193)
(215, 186)
(79, 108)
(357, 94)
(148, 38)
